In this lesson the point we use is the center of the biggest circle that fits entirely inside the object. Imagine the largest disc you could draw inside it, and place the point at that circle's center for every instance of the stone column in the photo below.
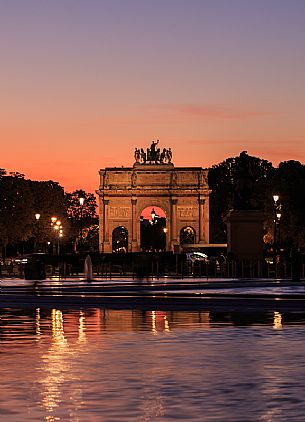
(173, 221)
(101, 226)
(201, 220)
(106, 225)
(134, 242)
(207, 219)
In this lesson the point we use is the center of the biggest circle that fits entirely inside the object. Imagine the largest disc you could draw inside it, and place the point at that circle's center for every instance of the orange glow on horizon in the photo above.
(82, 97)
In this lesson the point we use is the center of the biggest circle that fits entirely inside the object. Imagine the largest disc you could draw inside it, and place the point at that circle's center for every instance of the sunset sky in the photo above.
(84, 82)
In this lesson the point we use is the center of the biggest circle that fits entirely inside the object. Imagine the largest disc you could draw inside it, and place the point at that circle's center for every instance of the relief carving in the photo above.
(119, 212)
(202, 179)
(187, 212)
(134, 179)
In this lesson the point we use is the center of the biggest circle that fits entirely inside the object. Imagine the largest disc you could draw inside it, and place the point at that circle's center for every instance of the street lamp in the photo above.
(59, 231)
(56, 225)
(53, 221)
(164, 239)
(277, 217)
(81, 203)
(37, 217)
(153, 216)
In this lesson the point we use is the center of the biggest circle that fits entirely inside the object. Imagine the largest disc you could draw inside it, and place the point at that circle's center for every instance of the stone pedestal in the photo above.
(245, 234)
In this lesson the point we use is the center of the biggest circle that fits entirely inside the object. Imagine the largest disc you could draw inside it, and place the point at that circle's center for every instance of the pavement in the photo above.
(155, 294)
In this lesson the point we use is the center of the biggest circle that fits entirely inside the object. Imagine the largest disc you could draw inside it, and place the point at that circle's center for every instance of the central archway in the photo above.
(153, 229)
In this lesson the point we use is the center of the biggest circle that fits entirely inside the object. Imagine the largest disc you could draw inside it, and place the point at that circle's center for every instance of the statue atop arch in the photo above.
(153, 155)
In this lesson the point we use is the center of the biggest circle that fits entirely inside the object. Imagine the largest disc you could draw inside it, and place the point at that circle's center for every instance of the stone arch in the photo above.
(187, 235)
(153, 229)
(182, 192)
(152, 203)
(120, 239)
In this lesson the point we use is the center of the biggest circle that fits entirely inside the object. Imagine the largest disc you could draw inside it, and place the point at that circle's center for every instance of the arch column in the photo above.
(106, 243)
(101, 225)
(173, 225)
(201, 220)
(134, 240)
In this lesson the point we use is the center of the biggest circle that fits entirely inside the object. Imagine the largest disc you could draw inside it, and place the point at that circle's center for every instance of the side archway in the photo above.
(120, 240)
(187, 235)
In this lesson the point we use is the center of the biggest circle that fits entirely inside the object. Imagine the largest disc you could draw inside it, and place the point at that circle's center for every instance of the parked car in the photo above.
(197, 256)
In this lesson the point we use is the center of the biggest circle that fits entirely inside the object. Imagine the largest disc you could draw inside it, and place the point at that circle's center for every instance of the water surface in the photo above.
(106, 365)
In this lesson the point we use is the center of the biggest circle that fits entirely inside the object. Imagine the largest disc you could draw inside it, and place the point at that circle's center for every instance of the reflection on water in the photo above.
(107, 365)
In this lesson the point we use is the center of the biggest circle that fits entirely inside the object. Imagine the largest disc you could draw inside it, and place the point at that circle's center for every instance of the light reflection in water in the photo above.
(166, 324)
(38, 332)
(57, 367)
(277, 320)
(111, 365)
(153, 322)
(81, 328)
(159, 322)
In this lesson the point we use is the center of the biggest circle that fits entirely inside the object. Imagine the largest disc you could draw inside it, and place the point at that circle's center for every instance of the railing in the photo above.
(150, 265)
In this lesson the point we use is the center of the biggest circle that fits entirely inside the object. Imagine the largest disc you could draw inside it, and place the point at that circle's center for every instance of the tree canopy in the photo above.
(238, 182)
(250, 175)
(289, 183)
(21, 199)
(83, 218)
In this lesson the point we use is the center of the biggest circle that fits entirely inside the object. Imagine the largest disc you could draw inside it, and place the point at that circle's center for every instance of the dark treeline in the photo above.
(21, 232)
(287, 181)
(21, 199)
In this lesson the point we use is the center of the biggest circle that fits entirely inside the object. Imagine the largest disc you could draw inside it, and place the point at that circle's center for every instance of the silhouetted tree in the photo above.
(225, 180)
(84, 216)
(16, 210)
(288, 182)
(49, 201)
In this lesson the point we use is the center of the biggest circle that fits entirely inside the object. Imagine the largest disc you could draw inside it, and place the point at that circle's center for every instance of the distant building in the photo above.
(129, 195)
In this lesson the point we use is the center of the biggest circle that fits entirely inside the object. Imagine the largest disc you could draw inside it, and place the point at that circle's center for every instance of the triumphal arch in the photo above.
(180, 195)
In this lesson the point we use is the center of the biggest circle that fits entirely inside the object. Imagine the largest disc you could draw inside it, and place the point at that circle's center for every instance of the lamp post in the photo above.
(81, 204)
(53, 221)
(37, 217)
(56, 225)
(164, 231)
(153, 219)
(59, 231)
(277, 218)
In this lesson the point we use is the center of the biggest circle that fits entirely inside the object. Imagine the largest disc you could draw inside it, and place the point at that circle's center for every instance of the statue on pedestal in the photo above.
(153, 151)
(243, 193)
(153, 155)
(169, 155)
(137, 155)
(163, 156)
(143, 155)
